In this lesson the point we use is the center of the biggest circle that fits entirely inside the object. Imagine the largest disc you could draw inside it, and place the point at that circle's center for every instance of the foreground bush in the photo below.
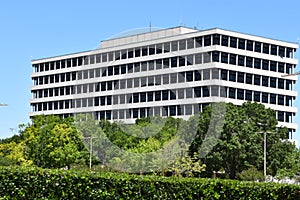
(36, 183)
(251, 174)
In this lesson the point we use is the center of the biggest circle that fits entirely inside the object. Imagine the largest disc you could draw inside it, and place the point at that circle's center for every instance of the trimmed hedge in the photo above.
(36, 183)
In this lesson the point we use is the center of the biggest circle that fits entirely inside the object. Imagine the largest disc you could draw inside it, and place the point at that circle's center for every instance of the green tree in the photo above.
(240, 144)
(13, 153)
(132, 147)
(251, 174)
(186, 166)
(115, 134)
(283, 159)
(12, 150)
(53, 142)
(93, 137)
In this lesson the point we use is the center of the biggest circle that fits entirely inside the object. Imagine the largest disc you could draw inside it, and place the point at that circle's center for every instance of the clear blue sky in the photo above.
(37, 29)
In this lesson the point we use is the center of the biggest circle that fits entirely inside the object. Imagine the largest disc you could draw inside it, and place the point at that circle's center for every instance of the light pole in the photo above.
(91, 149)
(294, 74)
(265, 147)
(265, 132)
(265, 154)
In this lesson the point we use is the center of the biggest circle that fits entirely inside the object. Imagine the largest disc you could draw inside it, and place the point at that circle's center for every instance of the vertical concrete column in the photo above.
(285, 51)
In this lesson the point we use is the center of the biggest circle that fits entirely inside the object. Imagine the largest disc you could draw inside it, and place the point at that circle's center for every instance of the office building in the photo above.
(170, 72)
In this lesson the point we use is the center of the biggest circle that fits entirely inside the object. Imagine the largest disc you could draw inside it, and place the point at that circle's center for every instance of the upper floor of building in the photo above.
(168, 42)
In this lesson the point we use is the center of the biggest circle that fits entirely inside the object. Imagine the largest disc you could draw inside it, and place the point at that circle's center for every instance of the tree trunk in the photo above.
(232, 174)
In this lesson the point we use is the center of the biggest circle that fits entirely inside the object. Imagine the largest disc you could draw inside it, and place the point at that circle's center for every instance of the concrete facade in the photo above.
(171, 72)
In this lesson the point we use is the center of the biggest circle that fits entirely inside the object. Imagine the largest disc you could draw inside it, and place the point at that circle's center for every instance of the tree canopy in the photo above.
(240, 145)
(224, 137)
(52, 142)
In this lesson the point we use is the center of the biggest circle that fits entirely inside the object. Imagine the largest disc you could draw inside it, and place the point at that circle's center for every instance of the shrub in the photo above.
(6, 162)
(251, 174)
(36, 183)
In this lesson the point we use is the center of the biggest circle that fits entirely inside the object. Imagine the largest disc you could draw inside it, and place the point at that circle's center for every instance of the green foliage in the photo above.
(135, 147)
(37, 183)
(117, 136)
(251, 174)
(99, 137)
(146, 146)
(282, 173)
(12, 149)
(284, 158)
(240, 144)
(224, 137)
(13, 153)
(4, 161)
(53, 142)
(187, 166)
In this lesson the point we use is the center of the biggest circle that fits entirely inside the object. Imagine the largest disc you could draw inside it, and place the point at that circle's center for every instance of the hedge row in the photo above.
(36, 183)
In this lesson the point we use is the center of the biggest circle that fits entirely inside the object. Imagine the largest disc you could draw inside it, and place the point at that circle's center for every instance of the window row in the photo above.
(121, 54)
(172, 46)
(79, 103)
(157, 80)
(55, 78)
(255, 79)
(165, 63)
(169, 95)
(249, 45)
(174, 110)
(173, 78)
(261, 97)
(160, 95)
(251, 62)
(122, 69)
